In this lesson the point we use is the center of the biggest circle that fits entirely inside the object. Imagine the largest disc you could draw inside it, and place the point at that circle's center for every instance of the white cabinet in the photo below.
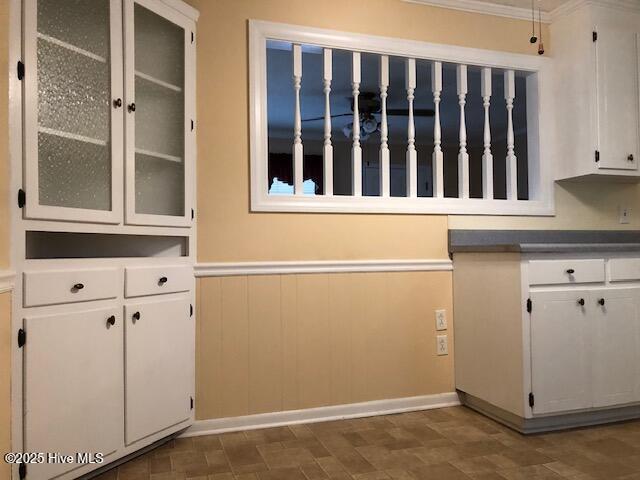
(73, 369)
(596, 66)
(109, 110)
(159, 366)
(560, 364)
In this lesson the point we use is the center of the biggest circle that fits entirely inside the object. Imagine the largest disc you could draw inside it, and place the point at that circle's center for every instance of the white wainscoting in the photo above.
(7, 280)
(322, 414)
(328, 266)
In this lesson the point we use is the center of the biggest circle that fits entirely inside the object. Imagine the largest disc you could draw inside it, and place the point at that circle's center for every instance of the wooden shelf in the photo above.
(72, 136)
(158, 82)
(70, 47)
(161, 156)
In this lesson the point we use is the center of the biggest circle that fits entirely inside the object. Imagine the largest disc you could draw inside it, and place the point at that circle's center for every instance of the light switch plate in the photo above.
(441, 320)
(442, 347)
(624, 214)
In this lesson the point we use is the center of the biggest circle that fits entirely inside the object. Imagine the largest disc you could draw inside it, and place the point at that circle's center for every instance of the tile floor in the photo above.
(451, 443)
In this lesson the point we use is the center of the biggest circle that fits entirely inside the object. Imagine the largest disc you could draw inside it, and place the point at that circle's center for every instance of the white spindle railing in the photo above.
(385, 189)
(412, 155)
(327, 151)
(512, 161)
(437, 157)
(356, 150)
(463, 156)
(298, 154)
(487, 157)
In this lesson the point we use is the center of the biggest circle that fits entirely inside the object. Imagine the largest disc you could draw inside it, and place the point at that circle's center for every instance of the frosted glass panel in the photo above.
(160, 122)
(159, 186)
(74, 104)
(73, 173)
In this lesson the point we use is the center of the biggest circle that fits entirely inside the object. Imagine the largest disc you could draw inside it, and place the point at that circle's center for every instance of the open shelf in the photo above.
(70, 47)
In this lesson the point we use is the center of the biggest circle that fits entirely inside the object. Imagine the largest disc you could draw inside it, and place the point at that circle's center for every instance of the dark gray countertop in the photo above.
(544, 241)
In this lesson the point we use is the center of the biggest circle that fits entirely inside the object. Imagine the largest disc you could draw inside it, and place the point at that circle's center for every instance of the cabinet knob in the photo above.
(581, 302)
(136, 316)
(117, 103)
(111, 321)
(571, 271)
(630, 157)
(601, 302)
(162, 281)
(131, 107)
(78, 286)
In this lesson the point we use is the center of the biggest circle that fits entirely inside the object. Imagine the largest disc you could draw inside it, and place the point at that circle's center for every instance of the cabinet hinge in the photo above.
(20, 69)
(594, 36)
(191, 402)
(193, 214)
(529, 305)
(192, 37)
(597, 156)
(191, 310)
(531, 399)
(22, 470)
(22, 338)
(22, 198)
(192, 125)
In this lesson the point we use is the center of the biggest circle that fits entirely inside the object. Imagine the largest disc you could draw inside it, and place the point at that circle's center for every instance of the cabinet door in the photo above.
(617, 92)
(73, 386)
(73, 125)
(560, 366)
(616, 346)
(159, 90)
(159, 366)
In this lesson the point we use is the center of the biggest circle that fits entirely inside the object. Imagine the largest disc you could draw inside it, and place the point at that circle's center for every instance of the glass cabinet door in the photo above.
(158, 122)
(73, 110)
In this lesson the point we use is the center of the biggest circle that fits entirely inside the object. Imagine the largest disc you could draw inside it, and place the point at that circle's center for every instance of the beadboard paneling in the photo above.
(284, 342)
(5, 380)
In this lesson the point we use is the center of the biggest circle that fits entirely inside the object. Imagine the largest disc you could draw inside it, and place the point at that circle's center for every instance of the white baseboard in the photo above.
(321, 414)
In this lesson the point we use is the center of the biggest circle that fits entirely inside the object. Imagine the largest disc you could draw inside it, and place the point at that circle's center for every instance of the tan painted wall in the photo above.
(227, 230)
(5, 380)
(270, 343)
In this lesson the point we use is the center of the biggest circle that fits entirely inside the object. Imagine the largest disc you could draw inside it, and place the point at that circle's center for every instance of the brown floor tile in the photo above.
(313, 471)
(282, 474)
(440, 471)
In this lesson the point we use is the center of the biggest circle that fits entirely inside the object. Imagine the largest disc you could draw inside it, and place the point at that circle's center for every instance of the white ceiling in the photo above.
(545, 5)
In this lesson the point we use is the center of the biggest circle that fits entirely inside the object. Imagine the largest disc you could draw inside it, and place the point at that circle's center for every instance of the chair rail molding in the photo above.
(322, 414)
(223, 269)
(7, 280)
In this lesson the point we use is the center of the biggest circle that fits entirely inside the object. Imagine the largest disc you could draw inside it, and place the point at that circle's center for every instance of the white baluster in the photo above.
(328, 148)
(487, 157)
(437, 158)
(512, 161)
(385, 189)
(463, 156)
(356, 150)
(412, 155)
(298, 154)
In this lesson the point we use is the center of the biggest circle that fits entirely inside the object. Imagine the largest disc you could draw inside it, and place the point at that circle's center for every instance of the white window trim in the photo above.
(539, 125)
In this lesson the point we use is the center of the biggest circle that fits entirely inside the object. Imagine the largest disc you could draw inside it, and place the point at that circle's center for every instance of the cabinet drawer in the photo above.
(624, 269)
(155, 280)
(553, 272)
(67, 286)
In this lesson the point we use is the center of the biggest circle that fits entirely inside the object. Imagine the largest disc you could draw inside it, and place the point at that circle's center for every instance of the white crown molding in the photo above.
(184, 8)
(7, 280)
(485, 8)
(322, 414)
(572, 5)
(331, 266)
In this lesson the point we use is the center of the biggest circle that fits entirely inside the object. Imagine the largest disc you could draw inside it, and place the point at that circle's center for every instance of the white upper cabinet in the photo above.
(595, 51)
(108, 103)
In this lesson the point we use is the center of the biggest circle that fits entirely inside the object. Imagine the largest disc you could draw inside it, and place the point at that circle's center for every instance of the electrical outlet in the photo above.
(624, 214)
(442, 347)
(441, 320)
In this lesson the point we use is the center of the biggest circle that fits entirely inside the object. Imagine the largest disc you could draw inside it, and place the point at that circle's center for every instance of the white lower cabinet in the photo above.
(159, 365)
(73, 386)
(585, 347)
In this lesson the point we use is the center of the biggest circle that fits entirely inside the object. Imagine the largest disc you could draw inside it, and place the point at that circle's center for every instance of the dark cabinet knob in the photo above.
(117, 103)
(136, 316)
(581, 302)
(111, 321)
(630, 157)
(601, 302)
(78, 286)
(571, 271)
(162, 281)
(131, 107)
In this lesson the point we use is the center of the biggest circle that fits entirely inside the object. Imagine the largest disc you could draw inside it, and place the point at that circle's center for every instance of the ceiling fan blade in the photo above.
(404, 112)
(332, 116)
